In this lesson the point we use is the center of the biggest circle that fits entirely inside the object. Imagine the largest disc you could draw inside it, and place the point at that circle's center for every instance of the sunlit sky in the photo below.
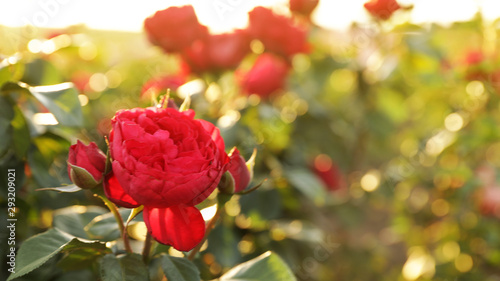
(221, 15)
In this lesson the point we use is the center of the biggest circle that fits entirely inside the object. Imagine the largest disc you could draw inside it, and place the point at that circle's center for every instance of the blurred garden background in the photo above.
(376, 129)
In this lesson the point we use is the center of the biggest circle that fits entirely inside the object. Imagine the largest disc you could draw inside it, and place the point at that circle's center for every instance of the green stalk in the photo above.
(118, 217)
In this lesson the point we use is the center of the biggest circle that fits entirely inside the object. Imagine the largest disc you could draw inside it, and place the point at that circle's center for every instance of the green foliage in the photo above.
(179, 269)
(127, 267)
(268, 266)
(38, 249)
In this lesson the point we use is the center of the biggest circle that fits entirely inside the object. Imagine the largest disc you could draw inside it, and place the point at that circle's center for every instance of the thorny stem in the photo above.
(112, 207)
(209, 227)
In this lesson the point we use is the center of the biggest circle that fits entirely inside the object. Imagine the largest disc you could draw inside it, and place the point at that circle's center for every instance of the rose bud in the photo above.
(167, 161)
(382, 9)
(86, 165)
(279, 34)
(303, 7)
(240, 171)
(174, 28)
(267, 75)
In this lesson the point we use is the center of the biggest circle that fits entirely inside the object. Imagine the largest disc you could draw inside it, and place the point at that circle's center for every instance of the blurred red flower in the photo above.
(488, 195)
(81, 80)
(217, 52)
(328, 172)
(278, 33)
(303, 7)
(157, 84)
(174, 28)
(475, 62)
(382, 9)
(267, 75)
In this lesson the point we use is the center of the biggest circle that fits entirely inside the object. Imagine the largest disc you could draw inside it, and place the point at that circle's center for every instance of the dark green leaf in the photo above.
(223, 244)
(263, 204)
(6, 116)
(129, 267)
(268, 266)
(307, 183)
(47, 159)
(74, 219)
(62, 100)
(81, 255)
(179, 269)
(81, 275)
(38, 249)
(21, 134)
(104, 227)
(41, 72)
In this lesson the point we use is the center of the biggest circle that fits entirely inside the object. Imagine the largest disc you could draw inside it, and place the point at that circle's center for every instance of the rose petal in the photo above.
(180, 226)
(114, 191)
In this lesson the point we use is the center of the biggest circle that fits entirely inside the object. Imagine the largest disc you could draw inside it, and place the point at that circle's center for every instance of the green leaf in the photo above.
(81, 255)
(129, 267)
(41, 72)
(6, 116)
(21, 133)
(307, 183)
(104, 227)
(62, 101)
(268, 266)
(73, 219)
(179, 269)
(37, 250)
(67, 188)
(223, 244)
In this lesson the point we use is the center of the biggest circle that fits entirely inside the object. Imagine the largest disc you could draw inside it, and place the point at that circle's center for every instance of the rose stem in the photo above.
(112, 207)
(147, 247)
(209, 227)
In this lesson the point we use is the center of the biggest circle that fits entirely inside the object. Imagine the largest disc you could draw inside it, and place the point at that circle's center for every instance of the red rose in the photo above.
(328, 172)
(167, 161)
(217, 52)
(303, 7)
(278, 33)
(157, 84)
(86, 165)
(267, 75)
(382, 9)
(174, 28)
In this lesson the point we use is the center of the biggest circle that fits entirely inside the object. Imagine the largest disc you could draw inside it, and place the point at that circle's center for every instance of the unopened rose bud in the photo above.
(86, 165)
(240, 171)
